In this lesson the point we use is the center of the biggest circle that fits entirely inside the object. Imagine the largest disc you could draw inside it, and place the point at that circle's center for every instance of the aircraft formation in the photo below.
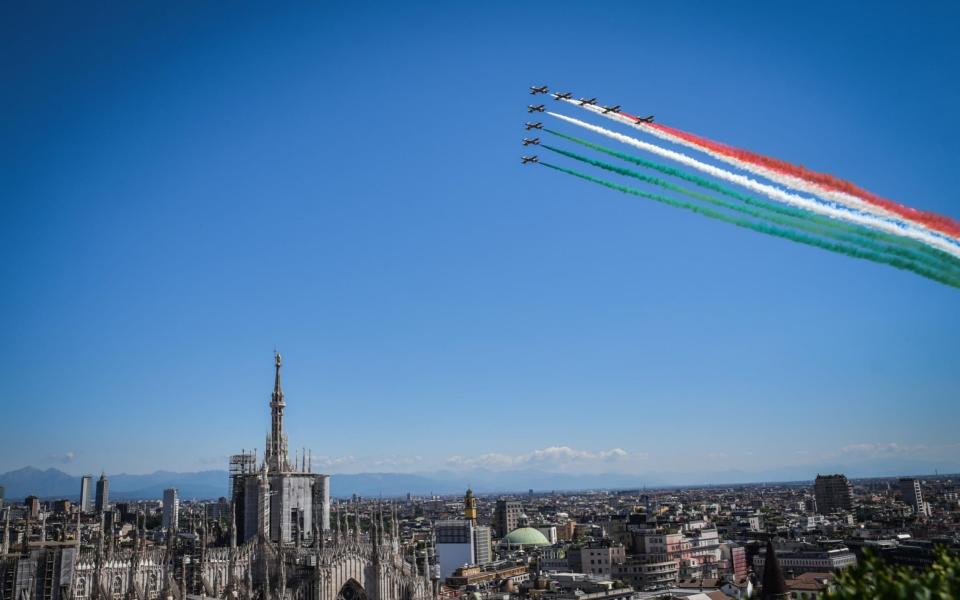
(539, 108)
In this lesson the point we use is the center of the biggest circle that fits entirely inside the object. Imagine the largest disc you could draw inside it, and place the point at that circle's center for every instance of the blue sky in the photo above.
(187, 187)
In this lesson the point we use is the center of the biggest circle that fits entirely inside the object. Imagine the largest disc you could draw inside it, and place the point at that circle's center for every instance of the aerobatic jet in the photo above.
(529, 159)
(610, 109)
(537, 125)
(528, 141)
(562, 96)
(534, 90)
(531, 108)
(648, 119)
(587, 101)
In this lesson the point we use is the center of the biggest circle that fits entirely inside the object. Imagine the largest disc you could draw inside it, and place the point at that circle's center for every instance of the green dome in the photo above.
(525, 536)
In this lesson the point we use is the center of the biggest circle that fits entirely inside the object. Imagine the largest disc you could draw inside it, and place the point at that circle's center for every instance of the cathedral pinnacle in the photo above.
(276, 454)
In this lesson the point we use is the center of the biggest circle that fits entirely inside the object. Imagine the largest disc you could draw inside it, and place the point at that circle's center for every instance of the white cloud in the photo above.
(332, 461)
(65, 458)
(397, 461)
(551, 457)
(870, 449)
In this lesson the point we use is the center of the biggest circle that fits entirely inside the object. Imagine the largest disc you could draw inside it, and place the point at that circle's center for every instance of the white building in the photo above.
(459, 542)
(85, 504)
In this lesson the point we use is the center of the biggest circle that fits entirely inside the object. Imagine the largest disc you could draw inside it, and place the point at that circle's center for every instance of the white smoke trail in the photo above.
(789, 181)
(770, 191)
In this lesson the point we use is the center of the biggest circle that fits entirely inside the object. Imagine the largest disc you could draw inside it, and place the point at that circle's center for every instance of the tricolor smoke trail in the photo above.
(763, 213)
(810, 204)
(933, 255)
(793, 176)
(770, 230)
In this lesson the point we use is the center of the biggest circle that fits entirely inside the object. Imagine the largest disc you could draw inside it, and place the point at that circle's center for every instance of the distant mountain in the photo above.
(53, 483)
(199, 485)
(29, 480)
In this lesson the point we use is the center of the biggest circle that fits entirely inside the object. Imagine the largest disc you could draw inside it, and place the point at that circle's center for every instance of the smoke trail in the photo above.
(772, 192)
(802, 222)
(767, 229)
(819, 184)
(933, 254)
(814, 182)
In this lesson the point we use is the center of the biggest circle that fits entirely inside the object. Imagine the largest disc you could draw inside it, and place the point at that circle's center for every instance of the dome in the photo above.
(525, 536)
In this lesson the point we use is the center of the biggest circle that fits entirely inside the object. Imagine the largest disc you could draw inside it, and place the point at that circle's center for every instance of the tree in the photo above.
(874, 578)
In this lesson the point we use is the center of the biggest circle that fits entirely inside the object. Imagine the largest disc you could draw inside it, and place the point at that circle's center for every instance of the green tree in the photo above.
(875, 579)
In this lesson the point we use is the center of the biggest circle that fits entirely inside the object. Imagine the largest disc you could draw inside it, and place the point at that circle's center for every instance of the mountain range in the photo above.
(54, 483)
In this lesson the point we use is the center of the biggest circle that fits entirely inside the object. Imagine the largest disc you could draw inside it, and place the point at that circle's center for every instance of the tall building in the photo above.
(2, 492)
(912, 495)
(833, 493)
(482, 545)
(505, 516)
(85, 505)
(286, 497)
(460, 542)
(103, 493)
(171, 510)
(33, 506)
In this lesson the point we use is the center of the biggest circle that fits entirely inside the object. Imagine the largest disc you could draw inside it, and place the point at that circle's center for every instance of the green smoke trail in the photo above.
(798, 221)
(769, 229)
(880, 236)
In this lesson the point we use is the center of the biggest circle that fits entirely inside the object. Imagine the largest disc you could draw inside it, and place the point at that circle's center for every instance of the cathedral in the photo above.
(280, 546)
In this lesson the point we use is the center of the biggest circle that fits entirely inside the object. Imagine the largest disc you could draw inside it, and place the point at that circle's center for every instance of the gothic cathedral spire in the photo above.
(277, 444)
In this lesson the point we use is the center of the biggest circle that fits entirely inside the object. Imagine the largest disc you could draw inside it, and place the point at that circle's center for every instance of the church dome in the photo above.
(525, 536)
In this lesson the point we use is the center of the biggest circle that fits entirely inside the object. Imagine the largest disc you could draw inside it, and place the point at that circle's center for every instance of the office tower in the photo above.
(505, 516)
(833, 493)
(103, 493)
(2, 492)
(171, 508)
(85, 505)
(33, 505)
(912, 495)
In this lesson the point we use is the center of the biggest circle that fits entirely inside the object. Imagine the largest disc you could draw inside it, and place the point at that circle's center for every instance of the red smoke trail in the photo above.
(823, 180)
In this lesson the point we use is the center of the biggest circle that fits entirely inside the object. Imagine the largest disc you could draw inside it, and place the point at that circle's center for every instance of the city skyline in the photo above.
(194, 189)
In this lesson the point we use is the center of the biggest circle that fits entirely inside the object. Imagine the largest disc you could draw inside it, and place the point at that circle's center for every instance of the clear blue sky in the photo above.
(186, 187)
